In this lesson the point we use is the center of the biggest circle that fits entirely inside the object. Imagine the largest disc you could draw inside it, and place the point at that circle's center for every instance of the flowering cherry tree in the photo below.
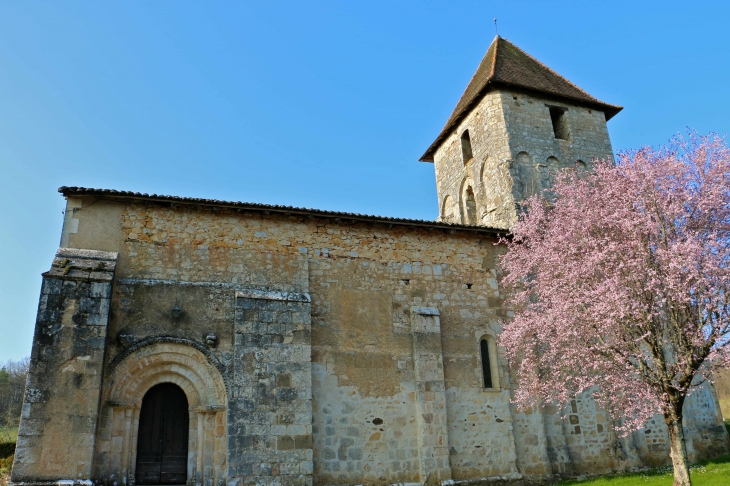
(619, 282)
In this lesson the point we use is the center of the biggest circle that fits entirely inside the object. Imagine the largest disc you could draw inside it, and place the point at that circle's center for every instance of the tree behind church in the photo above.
(619, 280)
(12, 387)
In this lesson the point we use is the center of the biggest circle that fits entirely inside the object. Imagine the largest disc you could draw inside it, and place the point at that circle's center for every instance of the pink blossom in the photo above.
(619, 281)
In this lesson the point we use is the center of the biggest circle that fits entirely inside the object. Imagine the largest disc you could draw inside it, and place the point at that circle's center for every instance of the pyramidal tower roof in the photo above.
(506, 65)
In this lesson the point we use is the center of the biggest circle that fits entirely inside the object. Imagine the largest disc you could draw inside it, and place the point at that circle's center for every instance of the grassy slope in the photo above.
(708, 473)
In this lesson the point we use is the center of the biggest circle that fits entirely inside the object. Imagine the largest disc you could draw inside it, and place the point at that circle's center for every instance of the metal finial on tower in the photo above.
(496, 30)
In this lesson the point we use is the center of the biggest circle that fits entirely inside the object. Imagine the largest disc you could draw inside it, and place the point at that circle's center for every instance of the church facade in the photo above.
(218, 343)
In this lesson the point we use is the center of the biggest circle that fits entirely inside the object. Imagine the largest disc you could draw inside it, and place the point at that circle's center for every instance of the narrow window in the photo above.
(486, 364)
(466, 146)
(560, 124)
(471, 207)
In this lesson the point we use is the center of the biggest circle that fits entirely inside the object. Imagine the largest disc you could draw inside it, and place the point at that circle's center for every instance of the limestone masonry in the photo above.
(316, 347)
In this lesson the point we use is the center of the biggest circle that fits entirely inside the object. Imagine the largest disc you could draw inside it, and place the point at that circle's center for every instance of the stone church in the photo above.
(217, 343)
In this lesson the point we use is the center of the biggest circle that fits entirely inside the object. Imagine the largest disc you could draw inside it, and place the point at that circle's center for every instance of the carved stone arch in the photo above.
(552, 165)
(163, 363)
(450, 210)
(467, 202)
(478, 176)
(151, 340)
(522, 171)
(149, 364)
(482, 171)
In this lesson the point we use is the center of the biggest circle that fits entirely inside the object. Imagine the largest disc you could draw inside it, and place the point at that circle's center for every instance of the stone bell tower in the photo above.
(517, 122)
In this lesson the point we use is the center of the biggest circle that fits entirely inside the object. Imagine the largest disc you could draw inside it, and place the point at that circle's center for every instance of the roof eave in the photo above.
(428, 156)
(609, 110)
(111, 194)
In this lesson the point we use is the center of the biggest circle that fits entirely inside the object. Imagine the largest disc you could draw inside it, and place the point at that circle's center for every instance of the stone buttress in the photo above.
(61, 405)
(270, 412)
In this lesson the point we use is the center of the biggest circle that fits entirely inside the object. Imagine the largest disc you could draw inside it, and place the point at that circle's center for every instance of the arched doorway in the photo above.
(137, 373)
(162, 440)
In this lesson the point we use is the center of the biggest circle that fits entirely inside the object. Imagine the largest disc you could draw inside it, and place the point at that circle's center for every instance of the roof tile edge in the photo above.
(69, 191)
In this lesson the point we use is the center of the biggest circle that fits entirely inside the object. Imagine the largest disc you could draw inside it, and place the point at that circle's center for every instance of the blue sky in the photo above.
(315, 104)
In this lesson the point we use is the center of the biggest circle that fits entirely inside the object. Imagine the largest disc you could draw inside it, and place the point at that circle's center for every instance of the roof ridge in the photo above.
(548, 68)
(494, 58)
(476, 73)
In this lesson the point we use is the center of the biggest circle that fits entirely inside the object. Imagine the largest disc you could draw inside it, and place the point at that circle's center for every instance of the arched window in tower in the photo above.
(580, 165)
(523, 176)
(470, 206)
(466, 152)
(486, 363)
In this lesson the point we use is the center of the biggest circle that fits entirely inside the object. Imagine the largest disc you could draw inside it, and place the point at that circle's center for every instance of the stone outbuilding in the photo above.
(217, 343)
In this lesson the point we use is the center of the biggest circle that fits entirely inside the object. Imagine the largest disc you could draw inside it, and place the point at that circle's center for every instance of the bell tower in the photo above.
(517, 122)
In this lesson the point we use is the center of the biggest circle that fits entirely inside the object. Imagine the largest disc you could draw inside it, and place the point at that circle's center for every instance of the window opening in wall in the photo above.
(560, 123)
(471, 207)
(486, 364)
(466, 146)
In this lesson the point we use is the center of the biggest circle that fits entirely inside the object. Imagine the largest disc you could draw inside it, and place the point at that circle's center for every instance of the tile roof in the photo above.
(286, 210)
(506, 65)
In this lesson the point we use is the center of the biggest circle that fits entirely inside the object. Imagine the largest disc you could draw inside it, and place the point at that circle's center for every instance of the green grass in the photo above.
(6, 465)
(8, 435)
(707, 473)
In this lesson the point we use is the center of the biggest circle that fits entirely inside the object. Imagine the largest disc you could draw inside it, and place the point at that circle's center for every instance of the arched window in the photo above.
(523, 176)
(486, 365)
(471, 207)
(466, 152)
(490, 376)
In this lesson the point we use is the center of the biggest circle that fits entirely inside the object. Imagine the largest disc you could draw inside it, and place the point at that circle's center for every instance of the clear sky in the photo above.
(315, 104)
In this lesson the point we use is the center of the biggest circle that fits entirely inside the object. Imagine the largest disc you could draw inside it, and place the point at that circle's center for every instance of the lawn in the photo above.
(8, 435)
(708, 473)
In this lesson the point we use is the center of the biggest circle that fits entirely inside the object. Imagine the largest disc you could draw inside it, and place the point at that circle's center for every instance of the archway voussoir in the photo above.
(177, 363)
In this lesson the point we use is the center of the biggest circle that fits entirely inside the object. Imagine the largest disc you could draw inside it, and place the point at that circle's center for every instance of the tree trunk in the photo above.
(678, 452)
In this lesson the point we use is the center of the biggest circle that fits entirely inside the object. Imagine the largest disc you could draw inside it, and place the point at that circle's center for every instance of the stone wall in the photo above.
(61, 405)
(314, 351)
(363, 281)
(515, 151)
(270, 410)
(486, 173)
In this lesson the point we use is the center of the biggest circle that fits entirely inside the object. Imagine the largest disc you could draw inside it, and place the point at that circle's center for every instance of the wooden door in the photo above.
(162, 441)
